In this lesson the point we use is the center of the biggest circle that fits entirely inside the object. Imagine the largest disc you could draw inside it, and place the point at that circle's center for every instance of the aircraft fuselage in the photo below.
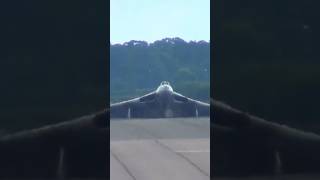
(164, 95)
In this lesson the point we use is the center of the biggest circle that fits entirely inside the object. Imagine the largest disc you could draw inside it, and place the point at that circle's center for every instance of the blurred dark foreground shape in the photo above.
(73, 149)
(246, 145)
(53, 67)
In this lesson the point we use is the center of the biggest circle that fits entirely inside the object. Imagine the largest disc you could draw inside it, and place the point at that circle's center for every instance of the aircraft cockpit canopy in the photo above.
(165, 83)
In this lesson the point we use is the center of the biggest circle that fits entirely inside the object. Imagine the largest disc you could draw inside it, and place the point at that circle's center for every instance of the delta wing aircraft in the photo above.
(161, 103)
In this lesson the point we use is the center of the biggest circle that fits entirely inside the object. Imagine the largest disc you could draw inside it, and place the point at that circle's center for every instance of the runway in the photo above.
(157, 149)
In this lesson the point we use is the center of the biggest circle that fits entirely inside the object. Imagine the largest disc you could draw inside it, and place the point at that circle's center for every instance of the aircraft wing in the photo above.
(265, 147)
(143, 106)
(190, 107)
(76, 148)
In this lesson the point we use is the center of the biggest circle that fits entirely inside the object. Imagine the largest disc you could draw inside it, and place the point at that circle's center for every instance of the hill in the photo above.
(137, 67)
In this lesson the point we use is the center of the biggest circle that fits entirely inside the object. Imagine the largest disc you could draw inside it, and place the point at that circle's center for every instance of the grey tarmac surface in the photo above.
(158, 149)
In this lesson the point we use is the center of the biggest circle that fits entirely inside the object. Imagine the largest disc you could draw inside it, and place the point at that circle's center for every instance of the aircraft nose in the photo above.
(166, 88)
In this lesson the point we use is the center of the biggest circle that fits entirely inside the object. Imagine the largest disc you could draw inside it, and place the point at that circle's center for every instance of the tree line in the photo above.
(138, 67)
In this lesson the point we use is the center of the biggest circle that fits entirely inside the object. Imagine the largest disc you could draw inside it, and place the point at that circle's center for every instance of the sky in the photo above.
(151, 20)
